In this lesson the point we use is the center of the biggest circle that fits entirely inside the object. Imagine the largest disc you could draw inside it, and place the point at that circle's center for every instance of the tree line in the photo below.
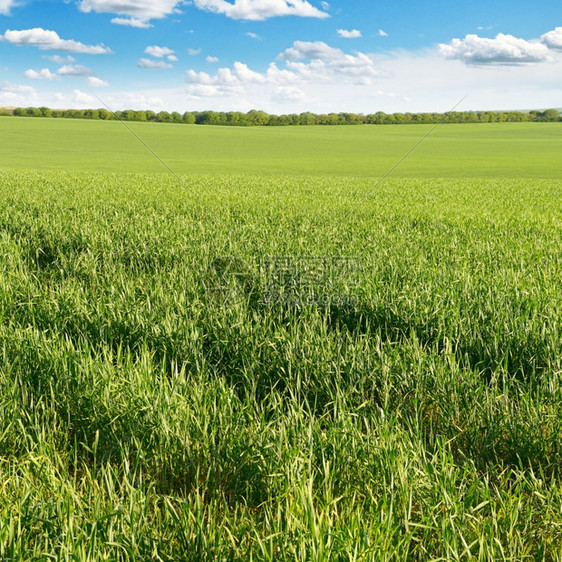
(261, 118)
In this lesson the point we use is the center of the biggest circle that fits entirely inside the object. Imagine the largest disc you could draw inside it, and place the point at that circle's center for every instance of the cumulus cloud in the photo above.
(132, 22)
(74, 70)
(66, 70)
(193, 52)
(310, 50)
(503, 50)
(43, 74)
(6, 86)
(326, 63)
(285, 94)
(6, 6)
(230, 80)
(153, 64)
(17, 94)
(253, 35)
(58, 59)
(260, 9)
(553, 39)
(349, 33)
(226, 79)
(306, 64)
(159, 52)
(212, 59)
(138, 12)
(82, 97)
(48, 40)
(97, 82)
(382, 33)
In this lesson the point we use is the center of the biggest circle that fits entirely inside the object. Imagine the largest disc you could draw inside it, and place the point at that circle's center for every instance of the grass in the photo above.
(502, 150)
(261, 367)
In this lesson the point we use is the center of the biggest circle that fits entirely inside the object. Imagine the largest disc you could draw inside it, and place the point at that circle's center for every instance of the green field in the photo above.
(275, 358)
(502, 150)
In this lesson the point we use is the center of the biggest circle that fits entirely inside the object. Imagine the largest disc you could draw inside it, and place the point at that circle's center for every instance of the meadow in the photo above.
(273, 356)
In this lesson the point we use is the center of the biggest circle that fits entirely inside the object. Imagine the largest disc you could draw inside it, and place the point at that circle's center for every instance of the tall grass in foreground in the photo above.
(157, 407)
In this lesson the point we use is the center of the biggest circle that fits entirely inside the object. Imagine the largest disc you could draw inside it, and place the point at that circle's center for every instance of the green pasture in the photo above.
(467, 150)
(267, 358)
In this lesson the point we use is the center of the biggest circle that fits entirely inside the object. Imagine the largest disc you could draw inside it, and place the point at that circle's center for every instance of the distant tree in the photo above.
(188, 118)
(210, 118)
(257, 117)
(377, 118)
(104, 114)
(128, 115)
(307, 118)
(33, 112)
(163, 117)
(176, 117)
(280, 121)
(551, 115)
(516, 116)
(73, 114)
(236, 118)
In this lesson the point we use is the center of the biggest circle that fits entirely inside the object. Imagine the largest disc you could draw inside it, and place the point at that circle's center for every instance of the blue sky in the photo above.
(282, 56)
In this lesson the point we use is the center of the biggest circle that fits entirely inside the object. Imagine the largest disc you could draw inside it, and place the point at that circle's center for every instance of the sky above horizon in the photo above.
(281, 56)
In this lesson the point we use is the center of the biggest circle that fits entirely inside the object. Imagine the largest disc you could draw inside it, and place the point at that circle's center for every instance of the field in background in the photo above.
(501, 150)
(247, 365)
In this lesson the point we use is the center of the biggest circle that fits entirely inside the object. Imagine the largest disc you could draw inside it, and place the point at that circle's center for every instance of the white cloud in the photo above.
(328, 63)
(235, 78)
(6, 86)
(97, 82)
(17, 95)
(382, 33)
(307, 65)
(503, 50)
(253, 35)
(172, 58)
(159, 52)
(553, 39)
(82, 97)
(6, 6)
(204, 91)
(74, 70)
(193, 52)
(153, 64)
(306, 50)
(58, 59)
(286, 94)
(132, 22)
(43, 74)
(260, 9)
(212, 59)
(139, 12)
(226, 79)
(46, 39)
(349, 33)
(409, 81)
